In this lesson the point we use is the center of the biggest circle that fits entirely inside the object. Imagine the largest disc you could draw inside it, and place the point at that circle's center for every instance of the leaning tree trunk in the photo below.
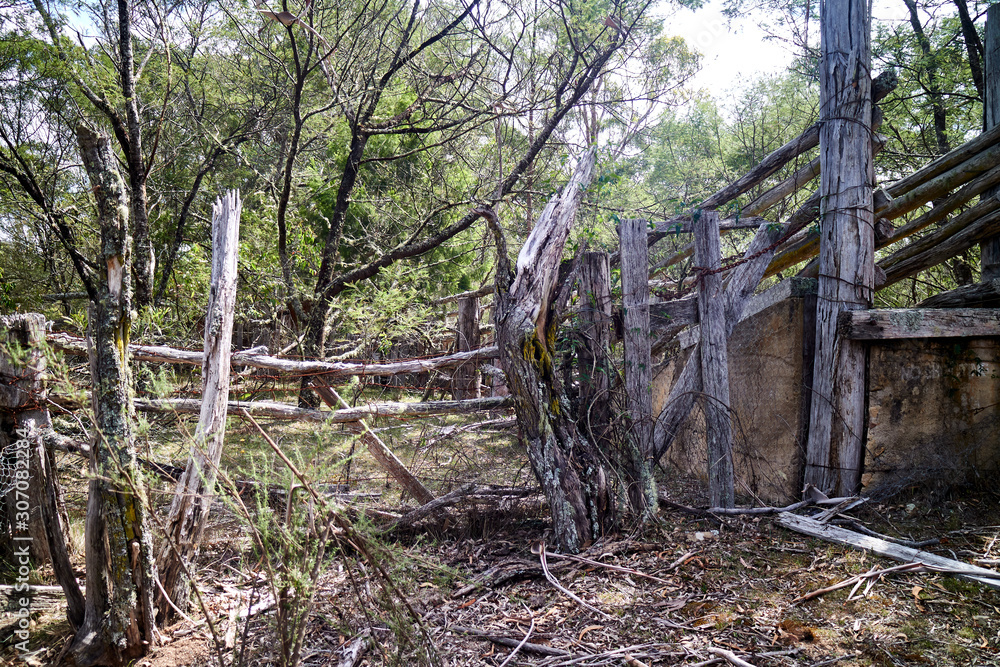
(118, 619)
(574, 475)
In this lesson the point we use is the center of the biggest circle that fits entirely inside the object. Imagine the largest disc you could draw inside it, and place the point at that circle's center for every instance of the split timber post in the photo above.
(714, 359)
(595, 331)
(23, 418)
(192, 501)
(638, 365)
(465, 379)
(837, 423)
(990, 248)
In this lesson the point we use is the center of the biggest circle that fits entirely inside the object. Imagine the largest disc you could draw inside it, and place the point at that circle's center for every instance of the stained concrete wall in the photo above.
(933, 403)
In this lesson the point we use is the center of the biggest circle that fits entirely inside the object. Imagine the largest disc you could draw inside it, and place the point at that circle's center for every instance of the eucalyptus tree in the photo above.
(429, 111)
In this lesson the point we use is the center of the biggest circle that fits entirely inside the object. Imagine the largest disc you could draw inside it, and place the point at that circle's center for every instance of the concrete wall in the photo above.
(933, 403)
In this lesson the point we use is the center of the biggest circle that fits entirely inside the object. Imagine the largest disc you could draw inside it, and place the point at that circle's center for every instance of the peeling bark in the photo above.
(574, 474)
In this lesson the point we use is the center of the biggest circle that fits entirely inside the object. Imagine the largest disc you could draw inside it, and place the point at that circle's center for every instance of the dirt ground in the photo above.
(689, 591)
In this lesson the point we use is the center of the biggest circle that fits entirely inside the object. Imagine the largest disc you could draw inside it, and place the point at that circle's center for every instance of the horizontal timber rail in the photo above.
(897, 323)
(331, 369)
(276, 410)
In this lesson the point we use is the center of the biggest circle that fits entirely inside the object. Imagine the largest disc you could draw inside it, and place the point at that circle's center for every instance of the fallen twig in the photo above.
(680, 561)
(518, 647)
(858, 578)
(528, 647)
(539, 549)
(729, 656)
(608, 566)
(427, 509)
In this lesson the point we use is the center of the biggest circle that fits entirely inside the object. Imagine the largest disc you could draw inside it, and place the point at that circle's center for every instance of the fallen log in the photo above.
(48, 599)
(330, 369)
(813, 528)
(425, 510)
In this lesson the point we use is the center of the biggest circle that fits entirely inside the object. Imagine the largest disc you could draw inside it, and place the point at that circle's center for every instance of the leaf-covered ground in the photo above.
(687, 591)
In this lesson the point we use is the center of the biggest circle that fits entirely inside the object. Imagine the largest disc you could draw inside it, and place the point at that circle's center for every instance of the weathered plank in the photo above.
(837, 419)
(742, 282)
(894, 323)
(714, 362)
(638, 359)
(594, 364)
(813, 528)
(635, 334)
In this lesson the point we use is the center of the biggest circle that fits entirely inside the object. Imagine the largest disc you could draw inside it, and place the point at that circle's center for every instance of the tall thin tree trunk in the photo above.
(118, 625)
(465, 378)
(144, 260)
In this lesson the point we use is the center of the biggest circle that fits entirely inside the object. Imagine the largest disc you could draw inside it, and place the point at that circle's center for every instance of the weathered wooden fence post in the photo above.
(595, 331)
(837, 423)
(990, 248)
(638, 364)
(23, 418)
(189, 510)
(465, 380)
(714, 359)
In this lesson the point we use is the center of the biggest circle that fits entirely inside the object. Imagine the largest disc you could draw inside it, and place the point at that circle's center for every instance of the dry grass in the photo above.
(734, 591)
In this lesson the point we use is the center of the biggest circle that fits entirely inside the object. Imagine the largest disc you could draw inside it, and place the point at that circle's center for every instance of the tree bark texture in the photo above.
(638, 362)
(185, 525)
(714, 360)
(23, 416)
(594, 364)
(118, 625)
(572, 473)
(989, 250)
(837, 424)
(144, 261)
(465, 379)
